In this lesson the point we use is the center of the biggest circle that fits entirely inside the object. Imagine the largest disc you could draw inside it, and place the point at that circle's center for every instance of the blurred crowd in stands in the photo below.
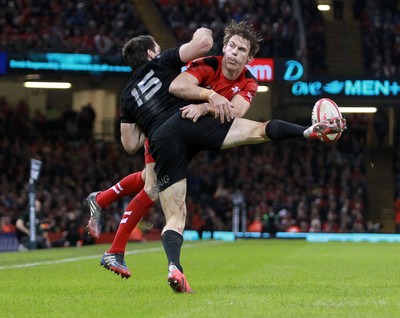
(295, 185)
(380, 23)
(102, 27)
(273, 19)
(50, 123)
(90, 26)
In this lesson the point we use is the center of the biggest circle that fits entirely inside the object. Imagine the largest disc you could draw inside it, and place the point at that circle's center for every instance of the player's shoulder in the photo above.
(170, 56)
(248, 75)
(211, 61)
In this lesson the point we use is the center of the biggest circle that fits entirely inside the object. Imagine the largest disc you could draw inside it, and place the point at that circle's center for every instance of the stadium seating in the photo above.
(278, 27)
(380, 22)
(93, 27)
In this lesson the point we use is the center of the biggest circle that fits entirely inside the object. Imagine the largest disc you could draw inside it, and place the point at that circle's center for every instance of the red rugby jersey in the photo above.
(208, 72)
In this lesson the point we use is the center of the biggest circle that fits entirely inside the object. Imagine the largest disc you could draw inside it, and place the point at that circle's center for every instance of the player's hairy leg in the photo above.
(243, 132)
(172, 201)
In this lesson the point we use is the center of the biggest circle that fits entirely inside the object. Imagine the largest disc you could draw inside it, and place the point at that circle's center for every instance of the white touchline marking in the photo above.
(75, 259)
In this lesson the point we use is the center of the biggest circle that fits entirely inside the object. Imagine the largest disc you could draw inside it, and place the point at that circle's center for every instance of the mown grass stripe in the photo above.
(81, 258)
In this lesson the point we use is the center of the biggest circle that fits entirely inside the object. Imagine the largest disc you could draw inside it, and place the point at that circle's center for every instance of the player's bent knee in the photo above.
(152, 192)
(143, 175)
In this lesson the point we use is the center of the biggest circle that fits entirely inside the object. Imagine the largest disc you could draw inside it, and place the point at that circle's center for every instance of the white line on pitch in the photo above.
(75, 259)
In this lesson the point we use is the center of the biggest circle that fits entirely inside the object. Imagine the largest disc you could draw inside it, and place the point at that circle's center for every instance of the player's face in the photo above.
(157, 50)
(236, 53)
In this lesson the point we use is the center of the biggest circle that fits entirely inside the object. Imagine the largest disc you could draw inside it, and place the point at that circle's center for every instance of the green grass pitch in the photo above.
(246, 278)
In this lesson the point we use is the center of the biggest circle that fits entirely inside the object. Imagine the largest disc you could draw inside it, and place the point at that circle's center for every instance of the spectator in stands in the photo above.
(73, 230)
(6, 225)
(271, 223)
(70, 123)
(255, 225)
(346, 221)
(102, 42)
(53, 117)
(86, 120)
(197, 223)
(381, 125)
(315, 226)
(23, 229)
(359, 223)
(330, 225)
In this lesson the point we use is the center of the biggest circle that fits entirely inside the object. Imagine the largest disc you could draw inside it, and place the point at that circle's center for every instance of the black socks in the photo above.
(172, 242)
(279, 130)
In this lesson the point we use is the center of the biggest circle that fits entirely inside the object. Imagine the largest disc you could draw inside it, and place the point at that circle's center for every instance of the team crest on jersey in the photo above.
(235, 90)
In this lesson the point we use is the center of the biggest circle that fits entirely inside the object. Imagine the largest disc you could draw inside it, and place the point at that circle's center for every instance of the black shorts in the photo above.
(174, 143)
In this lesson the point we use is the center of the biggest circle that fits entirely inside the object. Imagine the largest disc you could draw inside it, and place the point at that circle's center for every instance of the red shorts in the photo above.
(148, 158)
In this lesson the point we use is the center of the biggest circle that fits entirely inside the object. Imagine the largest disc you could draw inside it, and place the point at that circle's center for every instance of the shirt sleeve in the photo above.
(125, 118)
(199, 70)
(250, 90)
(172, 58)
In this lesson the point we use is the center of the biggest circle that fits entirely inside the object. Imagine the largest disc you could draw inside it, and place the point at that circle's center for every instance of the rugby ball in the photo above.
(324, 109)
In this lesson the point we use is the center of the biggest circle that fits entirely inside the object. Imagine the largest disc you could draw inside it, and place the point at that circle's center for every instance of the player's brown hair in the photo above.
(134, 51)
(246, 31)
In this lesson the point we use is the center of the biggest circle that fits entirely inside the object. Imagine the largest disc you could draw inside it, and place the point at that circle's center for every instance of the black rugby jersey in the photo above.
(145, 100)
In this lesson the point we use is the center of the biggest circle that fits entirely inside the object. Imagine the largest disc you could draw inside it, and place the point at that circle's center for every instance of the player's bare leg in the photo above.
(244, 131)
(173, 204)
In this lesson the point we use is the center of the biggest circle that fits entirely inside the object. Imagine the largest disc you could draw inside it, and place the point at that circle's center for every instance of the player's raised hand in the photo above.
(223, 108)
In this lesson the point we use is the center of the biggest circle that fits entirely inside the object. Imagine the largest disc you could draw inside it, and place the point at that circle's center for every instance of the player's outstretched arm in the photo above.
(202, 41)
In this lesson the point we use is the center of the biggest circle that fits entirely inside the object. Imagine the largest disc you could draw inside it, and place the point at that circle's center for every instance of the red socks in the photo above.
(135, 210)
(129, 185)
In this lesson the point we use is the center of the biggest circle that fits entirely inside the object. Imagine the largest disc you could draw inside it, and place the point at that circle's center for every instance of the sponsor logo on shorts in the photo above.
(163, 181)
